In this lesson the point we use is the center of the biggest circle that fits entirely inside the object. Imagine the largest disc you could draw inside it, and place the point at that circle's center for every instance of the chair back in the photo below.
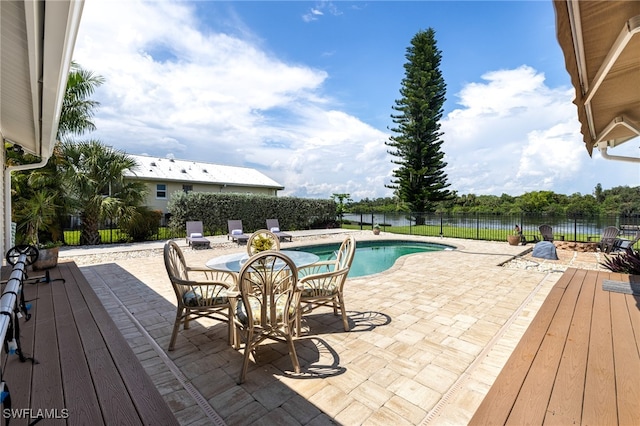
(610, 232)
(234, 224)
(344, 255)
(547, 232)
(262, 240)
(176, 268)
(273, 223)
(194, 226)
(268, 286)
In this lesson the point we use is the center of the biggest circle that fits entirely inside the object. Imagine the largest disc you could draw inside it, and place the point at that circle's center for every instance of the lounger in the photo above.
(195, 235)
(274, 226)
(236, 233)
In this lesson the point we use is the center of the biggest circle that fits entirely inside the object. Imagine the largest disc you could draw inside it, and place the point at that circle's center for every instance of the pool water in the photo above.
(372, 257)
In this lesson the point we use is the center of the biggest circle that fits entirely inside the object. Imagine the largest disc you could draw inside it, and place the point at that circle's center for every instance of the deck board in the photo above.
(577, 363)
(84, 364)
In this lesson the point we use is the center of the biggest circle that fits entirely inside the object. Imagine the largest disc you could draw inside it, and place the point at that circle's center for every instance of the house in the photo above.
(164, 176)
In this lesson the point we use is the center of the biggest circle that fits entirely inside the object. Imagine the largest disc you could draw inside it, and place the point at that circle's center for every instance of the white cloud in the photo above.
(513, 134)
(214, 97)
(174, 87)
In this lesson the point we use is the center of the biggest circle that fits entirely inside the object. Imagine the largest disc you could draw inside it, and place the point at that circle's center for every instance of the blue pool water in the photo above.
(372, 257)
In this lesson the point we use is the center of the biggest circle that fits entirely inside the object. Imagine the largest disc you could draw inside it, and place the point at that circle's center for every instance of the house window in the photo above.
(161, 190)
(187, 188)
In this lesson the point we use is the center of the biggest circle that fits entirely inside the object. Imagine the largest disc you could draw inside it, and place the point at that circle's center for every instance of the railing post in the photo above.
(441, 226)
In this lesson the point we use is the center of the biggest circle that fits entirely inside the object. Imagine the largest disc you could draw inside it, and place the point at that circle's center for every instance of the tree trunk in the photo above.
(90, 235)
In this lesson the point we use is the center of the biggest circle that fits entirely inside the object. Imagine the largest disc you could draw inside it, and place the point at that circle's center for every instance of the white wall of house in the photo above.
(159, 192)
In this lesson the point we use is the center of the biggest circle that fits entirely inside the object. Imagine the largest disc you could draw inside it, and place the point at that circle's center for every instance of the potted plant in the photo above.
(36, 216)
(515, 237)
(376, 229)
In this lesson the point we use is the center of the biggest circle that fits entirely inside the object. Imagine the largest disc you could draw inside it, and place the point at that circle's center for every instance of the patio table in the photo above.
(233, 262)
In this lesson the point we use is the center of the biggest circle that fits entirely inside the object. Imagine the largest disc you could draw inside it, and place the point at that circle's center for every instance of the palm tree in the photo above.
(41, 189)
(77, 109)
(94, 182)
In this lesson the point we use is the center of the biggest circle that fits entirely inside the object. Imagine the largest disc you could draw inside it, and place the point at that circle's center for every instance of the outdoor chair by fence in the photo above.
(547, 232)
(608, 239)
(262, 240)
(623, 244)
(273, 225)
(266, 307)
(322, 284)
(197, 299)
(236, 232)
(195, 234)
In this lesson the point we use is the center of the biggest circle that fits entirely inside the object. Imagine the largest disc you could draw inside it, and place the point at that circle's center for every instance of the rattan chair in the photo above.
(197, 299)
(262, 240)
(266, 303)
(322, 284)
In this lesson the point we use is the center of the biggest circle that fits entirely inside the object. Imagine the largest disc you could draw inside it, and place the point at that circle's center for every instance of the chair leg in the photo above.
(345, 322)
(245, 363)
(176, 327)
(186, 318)
(298, 320)
(292, 353)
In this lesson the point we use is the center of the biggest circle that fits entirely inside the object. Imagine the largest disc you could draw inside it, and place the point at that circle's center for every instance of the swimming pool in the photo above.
(372, 257)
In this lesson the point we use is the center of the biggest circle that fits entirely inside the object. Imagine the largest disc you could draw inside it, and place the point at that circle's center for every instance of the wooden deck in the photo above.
(85, 372)
(577, 363)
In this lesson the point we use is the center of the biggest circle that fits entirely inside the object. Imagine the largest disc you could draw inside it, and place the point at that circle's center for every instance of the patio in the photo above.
(424, 356)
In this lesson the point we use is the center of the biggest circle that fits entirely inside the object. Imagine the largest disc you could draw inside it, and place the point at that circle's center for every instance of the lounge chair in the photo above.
(236, 233)
(195, 235)
(274, 226)
(608, 239)
(547, 232)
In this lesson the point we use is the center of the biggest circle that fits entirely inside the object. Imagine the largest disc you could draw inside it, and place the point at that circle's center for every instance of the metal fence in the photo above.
(471, 226)
(494, 227)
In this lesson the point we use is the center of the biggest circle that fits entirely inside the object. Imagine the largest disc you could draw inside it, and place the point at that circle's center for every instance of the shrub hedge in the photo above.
(214, 209)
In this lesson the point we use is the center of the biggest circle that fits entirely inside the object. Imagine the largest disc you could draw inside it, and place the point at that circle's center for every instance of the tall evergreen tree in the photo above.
(420, 180)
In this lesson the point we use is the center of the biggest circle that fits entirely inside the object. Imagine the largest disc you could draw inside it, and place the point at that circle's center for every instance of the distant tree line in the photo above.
(623, 200)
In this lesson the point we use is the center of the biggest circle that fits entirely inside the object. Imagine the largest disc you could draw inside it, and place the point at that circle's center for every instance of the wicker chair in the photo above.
(262, 240)
(322, 284)
(197, 299)
(266, 303)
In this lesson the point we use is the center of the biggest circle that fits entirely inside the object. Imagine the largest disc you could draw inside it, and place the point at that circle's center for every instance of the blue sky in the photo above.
(302, 91)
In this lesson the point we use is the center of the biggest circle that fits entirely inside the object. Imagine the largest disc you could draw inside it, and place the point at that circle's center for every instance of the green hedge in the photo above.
(214, 209)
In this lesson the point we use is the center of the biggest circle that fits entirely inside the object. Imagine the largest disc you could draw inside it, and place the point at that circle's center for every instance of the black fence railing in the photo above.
(471, 226)
(495, 227)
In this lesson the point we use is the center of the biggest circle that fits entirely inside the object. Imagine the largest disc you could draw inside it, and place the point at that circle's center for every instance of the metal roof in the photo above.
(167, 169)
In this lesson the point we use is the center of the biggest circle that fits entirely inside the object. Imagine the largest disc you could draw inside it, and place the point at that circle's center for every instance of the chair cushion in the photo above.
(194, 298)
(195, 235)
(241, 312)
(275, 229)
(323, 291)
(236, 232)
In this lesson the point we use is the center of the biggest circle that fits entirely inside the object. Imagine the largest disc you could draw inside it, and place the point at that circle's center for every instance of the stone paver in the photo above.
(428, 337)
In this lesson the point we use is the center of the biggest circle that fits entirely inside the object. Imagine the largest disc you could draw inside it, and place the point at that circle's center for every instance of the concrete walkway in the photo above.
(428, 337)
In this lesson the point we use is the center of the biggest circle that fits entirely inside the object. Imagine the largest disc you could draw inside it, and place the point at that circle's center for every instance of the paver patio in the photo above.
(428, 338)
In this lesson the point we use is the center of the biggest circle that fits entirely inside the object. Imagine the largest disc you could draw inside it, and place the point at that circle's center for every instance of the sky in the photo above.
(303, 91)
